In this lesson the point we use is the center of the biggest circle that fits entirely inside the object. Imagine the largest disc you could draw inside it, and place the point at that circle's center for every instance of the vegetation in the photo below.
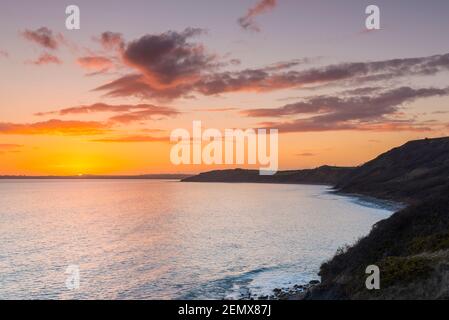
(403, 270)
(411, 247)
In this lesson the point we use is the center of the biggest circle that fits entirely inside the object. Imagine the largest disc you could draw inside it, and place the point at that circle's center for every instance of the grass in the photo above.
(403, 270)
(432, 243)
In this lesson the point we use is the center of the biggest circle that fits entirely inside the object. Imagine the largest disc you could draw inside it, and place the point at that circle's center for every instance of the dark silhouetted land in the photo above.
(321, 175)
(143, 176)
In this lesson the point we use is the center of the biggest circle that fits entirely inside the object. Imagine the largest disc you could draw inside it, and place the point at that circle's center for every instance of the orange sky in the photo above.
(104, 99)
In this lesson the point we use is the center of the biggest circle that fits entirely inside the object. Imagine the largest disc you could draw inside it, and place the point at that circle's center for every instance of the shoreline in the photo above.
(373, 201)
(303, 291)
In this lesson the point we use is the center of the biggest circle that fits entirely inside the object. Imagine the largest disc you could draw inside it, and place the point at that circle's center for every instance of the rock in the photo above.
(314, 282)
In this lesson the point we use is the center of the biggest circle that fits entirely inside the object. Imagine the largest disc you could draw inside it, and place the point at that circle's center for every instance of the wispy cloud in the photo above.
(352, 107)
(261, 80)
(110, 40)
(55, 127)
(305, 154)
(167, 66)
(247, 22)
(127, 113)
(45, 58)
(135, 138)
(360, 112)
(227, 109)
(10, 148)
(44, 37)
(48, 40)
(95, 63)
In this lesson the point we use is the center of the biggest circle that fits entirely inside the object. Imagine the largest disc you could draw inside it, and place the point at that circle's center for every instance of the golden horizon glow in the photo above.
(99, 101)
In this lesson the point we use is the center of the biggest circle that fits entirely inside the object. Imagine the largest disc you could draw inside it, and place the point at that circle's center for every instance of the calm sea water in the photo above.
(153, 239)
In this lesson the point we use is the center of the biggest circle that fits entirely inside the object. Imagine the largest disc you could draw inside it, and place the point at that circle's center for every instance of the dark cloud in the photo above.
(287, 64)
(111, 40)
(363, 91)
(352, 107)
(44, 37)
(138, 86)
(169, 66)
(366, 112)
(260, 80)
(262, 6)
(167, 59)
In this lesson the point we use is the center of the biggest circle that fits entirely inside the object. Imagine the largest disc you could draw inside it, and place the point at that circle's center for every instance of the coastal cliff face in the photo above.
(411, 248)
(409, 173)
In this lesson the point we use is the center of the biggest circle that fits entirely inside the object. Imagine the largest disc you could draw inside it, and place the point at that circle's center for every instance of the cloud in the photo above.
(44, 37)
(4, 54)
(282, 65)
(137, 138)
(142, 115)
(138, 86)
(111, 40)
(55, 127)
(262, 6)
(441, 112)
(168, 59)
(263, 80)
(44, 59)
(305, 154)
(167, 65)
(352, 107)
(10, 148)
(127, 113)
(365, 112)
(96, 63)
(217, 109)
(308, 125)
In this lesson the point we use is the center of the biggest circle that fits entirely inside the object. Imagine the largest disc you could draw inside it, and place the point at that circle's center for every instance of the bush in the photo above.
(402, 270)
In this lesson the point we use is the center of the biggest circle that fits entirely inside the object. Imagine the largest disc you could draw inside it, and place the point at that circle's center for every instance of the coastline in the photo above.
(373, 201)
(303, 291)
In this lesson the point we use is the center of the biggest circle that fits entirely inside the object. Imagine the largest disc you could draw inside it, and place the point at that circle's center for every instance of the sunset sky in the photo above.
(104, 99)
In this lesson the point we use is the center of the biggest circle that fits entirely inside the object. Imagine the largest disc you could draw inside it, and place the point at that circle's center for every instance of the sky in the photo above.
(103, 99)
